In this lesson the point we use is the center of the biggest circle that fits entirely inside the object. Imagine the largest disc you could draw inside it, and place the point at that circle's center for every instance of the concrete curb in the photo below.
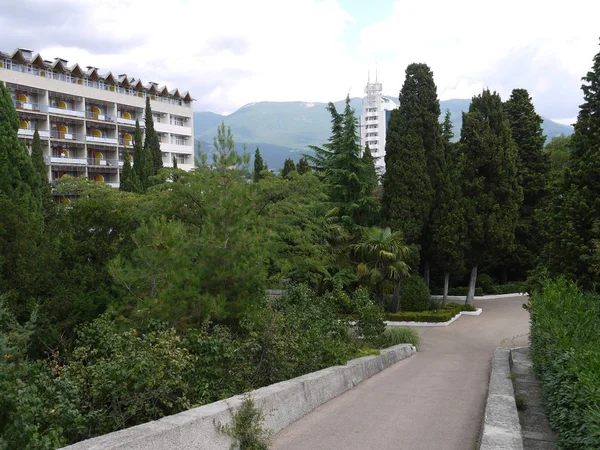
(501, 427)
(434, 324)
(481, 297)
(282, 404)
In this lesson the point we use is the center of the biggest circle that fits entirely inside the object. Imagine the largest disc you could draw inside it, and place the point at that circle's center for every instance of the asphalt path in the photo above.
(433, 400)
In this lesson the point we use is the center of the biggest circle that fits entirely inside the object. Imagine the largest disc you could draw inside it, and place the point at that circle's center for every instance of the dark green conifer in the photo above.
(151, 141)
(259, 166)
(288, 167)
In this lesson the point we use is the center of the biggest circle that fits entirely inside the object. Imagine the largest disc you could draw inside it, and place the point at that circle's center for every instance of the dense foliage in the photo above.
(565, 342)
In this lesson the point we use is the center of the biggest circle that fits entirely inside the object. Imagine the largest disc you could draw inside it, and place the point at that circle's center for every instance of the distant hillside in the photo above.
(284, 129)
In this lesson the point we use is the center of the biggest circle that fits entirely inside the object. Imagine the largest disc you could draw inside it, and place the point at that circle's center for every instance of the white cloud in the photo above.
(232, 52)
(544, 47)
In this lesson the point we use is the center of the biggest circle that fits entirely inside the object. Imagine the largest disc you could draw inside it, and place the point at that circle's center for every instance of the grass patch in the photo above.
(439, 315)
(397, 335)
(521, 403)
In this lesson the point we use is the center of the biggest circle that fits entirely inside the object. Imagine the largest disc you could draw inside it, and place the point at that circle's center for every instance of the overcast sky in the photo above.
(228, 53)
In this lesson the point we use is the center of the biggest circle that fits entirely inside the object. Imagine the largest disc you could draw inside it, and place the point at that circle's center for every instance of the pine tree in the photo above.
(303, 167)
(447, 129)
(259, 166)
(491, 186)
(572, 224)
(534, 169)
(129, 179)
(288, 167)
(411, 155)
(37, 158)
(151, 141)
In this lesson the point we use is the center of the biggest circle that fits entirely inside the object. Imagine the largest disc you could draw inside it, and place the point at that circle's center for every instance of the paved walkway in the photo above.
(433, 400)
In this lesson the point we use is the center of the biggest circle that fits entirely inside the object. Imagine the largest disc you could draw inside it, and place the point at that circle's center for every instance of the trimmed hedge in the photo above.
(414, 294)
(441, 315)
(508, 288)
(463, 290)
(565, 348)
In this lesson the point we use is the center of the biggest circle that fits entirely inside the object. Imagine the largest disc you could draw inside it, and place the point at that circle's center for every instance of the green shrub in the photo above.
(565, 348)
(463, 290)
(397, 335)
(509, 288)
(414, 294)
(247, 427)
(441, 315)
(486, 283)
(369, 316)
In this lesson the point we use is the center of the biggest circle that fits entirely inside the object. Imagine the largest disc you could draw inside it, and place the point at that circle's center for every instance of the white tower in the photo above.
(373, 120)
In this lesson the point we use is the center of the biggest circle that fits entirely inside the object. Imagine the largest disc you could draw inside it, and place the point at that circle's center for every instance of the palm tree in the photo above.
(383, 256)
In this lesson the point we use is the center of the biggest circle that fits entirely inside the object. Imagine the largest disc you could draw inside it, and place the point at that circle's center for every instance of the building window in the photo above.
(178, 140)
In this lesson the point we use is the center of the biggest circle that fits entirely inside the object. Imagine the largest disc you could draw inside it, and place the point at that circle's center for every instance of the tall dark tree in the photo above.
(129, 179)
(371, 178)
(448, 222)
(21, 220)
(572, 224)
(142, 161)
(341, 167)
(412, 155)
(491, 186)
(259, 166)
(447, 129)
(37, 158)
(288, 167)
(303, 167)
(533, 169)
(151, 141)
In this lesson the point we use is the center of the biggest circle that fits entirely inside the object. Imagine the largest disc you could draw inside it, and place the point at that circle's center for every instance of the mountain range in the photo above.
(284, 129)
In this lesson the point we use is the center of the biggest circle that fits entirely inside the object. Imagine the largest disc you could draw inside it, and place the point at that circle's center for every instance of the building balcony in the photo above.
(175, 129)
(67, 136)
(70, 160)
(28, 132)
(66, 112)
(30, 107)
(114, 184)
(103, 162)
(177, 148)
(101, 140)
(91, 115)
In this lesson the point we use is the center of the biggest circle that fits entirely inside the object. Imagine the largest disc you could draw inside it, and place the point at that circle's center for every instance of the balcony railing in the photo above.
(28, 132)
(66, 77)
(126, 142)
(97, 116)
(101, 139)
(128, 121)
(70, 160)
(68, 136)
(103, 162)
(29, 106)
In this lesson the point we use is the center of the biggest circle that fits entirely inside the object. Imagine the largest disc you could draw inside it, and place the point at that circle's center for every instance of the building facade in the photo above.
(376, 109)
(86, 120)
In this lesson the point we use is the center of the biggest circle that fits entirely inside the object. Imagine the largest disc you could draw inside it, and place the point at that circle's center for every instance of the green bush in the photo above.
(486, 283)
(441, 315)
(565, 348)
(414, 294)
(509, 288)
(397, 335)
(369, 316)
(463, 291)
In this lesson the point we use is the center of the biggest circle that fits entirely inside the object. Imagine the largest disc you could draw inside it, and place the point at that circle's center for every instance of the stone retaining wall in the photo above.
(282, 403)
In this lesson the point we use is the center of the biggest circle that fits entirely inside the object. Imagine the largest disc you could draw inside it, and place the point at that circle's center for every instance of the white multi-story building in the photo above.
(376, 109)
(86, 119)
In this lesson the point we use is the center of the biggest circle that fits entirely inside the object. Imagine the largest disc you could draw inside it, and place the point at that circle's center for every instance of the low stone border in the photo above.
(282, 404)
(433, 324)
(501, 427)
(480, 297)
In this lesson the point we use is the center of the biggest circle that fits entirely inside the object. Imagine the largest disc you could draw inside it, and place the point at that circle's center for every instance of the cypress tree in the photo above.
(288, 167)
(411, 154)
(37, 158)
(491, 186)
(21, 221)
(534, 169)
(572, 223)
(303, 167)
(129, 180)
(370, 177)
(259, 166)
(142, 162)
(151, 141)
(448, 229)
